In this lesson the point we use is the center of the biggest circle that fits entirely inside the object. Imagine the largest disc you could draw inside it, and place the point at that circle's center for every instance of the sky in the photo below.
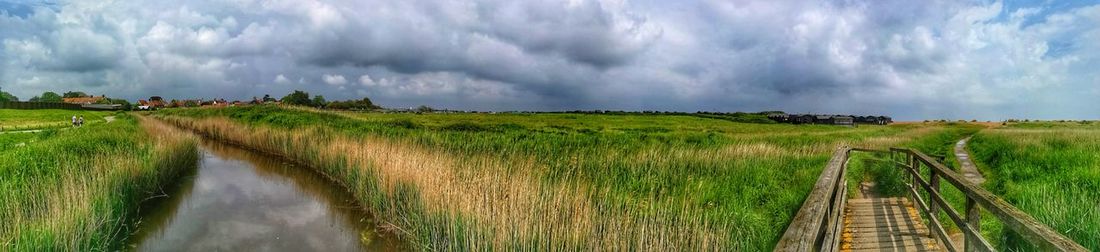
(958, 59)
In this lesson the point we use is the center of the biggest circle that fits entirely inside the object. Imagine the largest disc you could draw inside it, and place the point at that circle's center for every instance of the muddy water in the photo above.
(240, 200)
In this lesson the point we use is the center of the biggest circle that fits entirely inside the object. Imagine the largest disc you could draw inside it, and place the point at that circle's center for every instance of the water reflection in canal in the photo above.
(240, 200)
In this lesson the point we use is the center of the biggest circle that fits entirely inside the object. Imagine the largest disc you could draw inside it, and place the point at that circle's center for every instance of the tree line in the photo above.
(301, 98)
(52, 97)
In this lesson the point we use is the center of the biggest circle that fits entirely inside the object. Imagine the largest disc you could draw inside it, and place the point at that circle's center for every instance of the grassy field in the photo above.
(78, 189)
(558, 181)
(1049, 170)
(22, 119)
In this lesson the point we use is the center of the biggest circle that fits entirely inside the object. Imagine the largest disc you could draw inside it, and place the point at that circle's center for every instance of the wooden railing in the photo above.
(818, 225)
(977, 198)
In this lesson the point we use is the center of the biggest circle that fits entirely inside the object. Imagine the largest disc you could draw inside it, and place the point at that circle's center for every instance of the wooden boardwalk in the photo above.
(885, 224)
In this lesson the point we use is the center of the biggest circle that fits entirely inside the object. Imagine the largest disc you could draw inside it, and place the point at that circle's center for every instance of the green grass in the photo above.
(28, 119)
(13, 140)
(78, 189)
(558, 181)
(1049, 170)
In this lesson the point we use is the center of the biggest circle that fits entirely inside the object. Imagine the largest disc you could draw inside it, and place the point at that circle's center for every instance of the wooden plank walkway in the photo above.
(885, 224)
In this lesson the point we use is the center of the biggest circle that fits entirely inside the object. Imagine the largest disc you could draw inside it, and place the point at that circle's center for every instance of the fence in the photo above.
(38, 105)
(57, 105)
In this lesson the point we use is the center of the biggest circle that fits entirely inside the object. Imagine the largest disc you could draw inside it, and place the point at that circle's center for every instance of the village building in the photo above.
(780, 117)
(849, 120)
(843, 120)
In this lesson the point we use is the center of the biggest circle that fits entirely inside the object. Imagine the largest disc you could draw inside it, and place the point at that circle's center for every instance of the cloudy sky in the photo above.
(911, 59)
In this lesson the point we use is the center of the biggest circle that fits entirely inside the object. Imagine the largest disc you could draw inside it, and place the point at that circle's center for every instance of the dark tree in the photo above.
(297, 98)
(364, 104)
(74, 94)
(47, 97)
(5, 97)
(319, 101)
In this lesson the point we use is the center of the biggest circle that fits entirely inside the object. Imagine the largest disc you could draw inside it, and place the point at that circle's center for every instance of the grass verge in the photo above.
(78, 190)
(32, 119)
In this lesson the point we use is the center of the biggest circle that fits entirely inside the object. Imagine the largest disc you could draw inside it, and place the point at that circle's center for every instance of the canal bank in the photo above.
(239, 199)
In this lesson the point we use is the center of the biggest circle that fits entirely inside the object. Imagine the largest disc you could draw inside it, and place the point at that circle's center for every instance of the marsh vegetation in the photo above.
(78, 189)
(1049, 170)
(557, 181)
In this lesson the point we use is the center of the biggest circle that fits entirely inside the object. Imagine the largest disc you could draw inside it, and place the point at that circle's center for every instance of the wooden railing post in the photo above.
(915, 165)
(934, 181)
(974, 220)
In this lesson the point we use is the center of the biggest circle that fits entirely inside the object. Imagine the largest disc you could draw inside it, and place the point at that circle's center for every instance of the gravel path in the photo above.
(969, 170)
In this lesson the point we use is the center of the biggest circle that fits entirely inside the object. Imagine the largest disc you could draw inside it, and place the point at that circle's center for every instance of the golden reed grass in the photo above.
(439, 201)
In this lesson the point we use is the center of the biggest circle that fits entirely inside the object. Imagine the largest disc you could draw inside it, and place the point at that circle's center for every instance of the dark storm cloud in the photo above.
(915, 59)
(543, 47)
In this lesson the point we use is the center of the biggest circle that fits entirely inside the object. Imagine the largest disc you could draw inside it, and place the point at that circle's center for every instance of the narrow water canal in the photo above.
(240, 200)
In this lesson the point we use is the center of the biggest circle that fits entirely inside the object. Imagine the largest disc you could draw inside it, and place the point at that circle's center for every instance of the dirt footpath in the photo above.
(967, 167)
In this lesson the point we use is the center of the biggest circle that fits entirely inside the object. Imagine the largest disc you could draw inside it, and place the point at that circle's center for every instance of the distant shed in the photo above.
(843, 120)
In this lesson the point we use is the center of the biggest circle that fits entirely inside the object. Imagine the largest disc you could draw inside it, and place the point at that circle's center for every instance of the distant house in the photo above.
(187, 103)
(780, 117)
(84, 100)
(143, 105)
(803, 119)
(884, 120)
(154, 102)
(829, 119)
(150, 105)
(843, 120)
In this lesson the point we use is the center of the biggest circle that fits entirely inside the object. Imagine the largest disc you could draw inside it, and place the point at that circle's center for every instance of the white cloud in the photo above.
(366, 81)
(334, 80)
(282, 80)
